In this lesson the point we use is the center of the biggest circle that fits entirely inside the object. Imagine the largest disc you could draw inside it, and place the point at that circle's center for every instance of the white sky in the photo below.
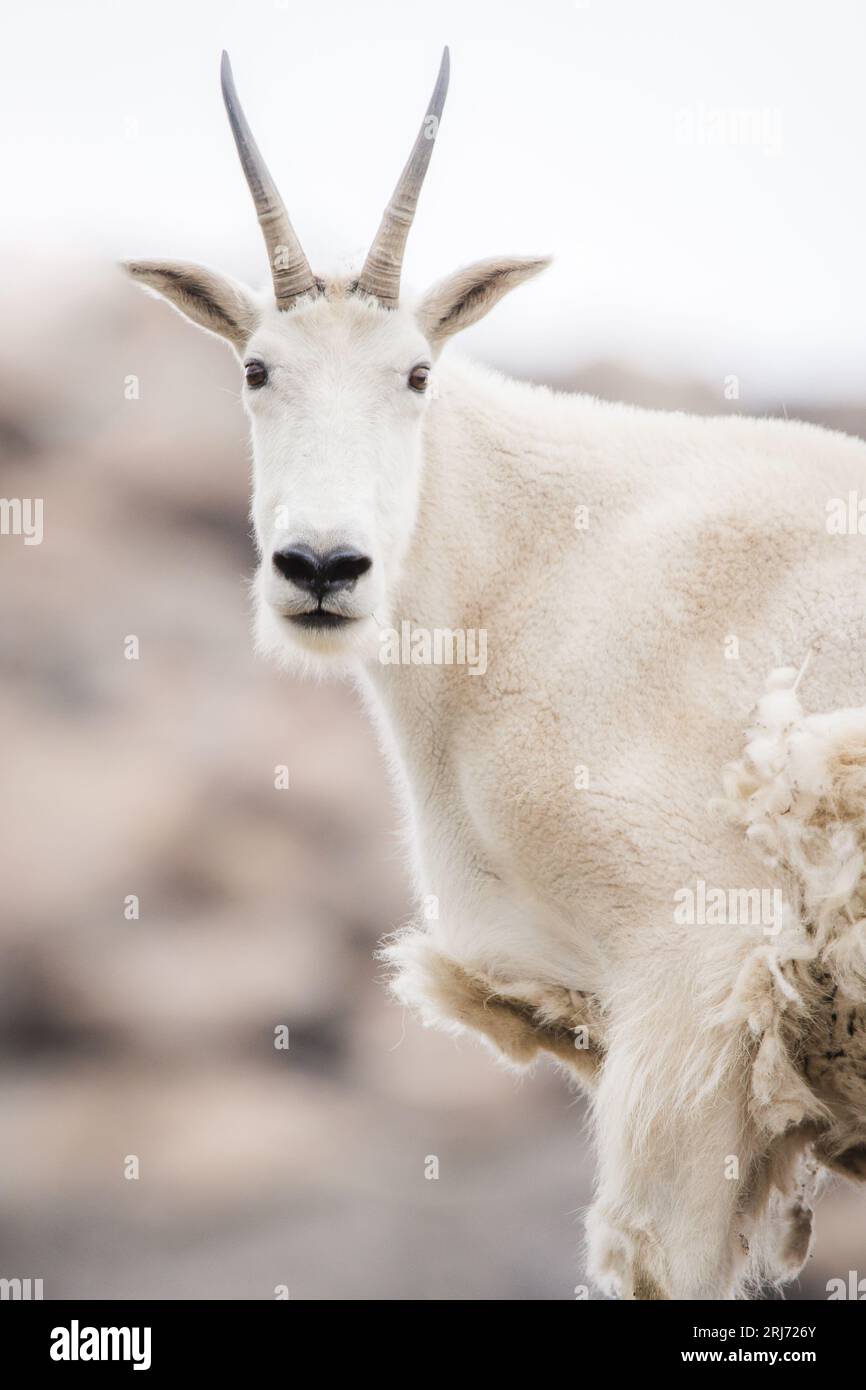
(572, 127)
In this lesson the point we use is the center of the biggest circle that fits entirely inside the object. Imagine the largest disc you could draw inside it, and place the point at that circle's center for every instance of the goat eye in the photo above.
(256, 373)
(418, 378)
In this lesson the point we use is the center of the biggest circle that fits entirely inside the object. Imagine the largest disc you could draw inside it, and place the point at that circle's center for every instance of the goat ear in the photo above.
(469, 294)
(212, 301)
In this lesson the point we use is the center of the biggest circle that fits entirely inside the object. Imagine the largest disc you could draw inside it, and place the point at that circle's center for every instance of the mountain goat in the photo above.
(561, 613)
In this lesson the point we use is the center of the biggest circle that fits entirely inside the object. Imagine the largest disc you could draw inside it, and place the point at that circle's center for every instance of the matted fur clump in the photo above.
(519, 1020)
(799, 792)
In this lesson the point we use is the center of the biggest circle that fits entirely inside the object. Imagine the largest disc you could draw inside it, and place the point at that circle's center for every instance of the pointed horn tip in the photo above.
(444, 76)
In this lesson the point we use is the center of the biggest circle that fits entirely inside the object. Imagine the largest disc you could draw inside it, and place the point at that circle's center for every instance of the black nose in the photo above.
(321, 574)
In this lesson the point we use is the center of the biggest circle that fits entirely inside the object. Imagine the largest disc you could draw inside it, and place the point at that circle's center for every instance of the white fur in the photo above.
(608, 647)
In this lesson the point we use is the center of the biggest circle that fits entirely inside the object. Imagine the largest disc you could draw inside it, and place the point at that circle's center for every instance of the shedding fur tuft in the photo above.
(799, 793)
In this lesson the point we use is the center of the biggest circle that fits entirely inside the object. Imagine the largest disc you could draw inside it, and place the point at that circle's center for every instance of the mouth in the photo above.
(319, 618)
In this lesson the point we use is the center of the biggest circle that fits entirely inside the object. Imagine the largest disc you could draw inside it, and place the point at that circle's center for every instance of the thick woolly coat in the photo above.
(638, 574)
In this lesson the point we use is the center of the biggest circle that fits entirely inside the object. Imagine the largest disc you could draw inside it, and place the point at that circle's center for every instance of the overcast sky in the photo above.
(696, 169)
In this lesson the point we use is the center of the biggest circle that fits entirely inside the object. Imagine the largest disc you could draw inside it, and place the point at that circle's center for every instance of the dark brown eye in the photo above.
(256, 373)
(418, 378)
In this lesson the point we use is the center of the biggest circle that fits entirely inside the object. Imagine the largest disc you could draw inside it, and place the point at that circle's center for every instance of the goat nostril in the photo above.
(343, 567)
(320, 574)
(299, 565)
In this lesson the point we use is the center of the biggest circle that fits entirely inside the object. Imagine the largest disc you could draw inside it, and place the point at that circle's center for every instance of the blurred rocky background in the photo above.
(259, 907)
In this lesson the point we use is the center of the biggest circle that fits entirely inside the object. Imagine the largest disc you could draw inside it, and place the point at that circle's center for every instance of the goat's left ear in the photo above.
(469, 294)
(214, 302)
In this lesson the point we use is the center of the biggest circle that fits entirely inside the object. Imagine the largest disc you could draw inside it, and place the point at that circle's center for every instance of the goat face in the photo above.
(336, 391)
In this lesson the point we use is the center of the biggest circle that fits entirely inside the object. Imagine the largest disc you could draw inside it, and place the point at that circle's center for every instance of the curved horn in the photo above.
(381, 274)
(290, 268)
